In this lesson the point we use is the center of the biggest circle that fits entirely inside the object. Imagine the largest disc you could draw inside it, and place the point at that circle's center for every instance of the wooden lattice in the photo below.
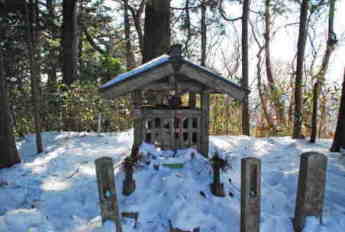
(172, 128)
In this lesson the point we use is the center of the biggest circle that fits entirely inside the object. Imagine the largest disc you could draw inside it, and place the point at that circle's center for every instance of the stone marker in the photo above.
(107, 191)
(250, 194)
(311, 188)
(128, 182)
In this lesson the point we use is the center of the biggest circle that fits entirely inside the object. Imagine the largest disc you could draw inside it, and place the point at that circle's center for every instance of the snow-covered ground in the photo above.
(57, 190)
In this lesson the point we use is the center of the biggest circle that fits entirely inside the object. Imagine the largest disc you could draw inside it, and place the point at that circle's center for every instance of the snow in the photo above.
(142, 68)
(57, 190)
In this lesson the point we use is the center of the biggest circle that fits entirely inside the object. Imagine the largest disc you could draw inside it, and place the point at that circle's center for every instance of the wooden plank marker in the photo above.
(311, 188)
(128, 182)
(107, 191)
(217, 188)
(250, 194)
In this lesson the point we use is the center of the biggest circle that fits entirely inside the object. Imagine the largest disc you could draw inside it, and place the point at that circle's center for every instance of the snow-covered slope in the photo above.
(57, 190)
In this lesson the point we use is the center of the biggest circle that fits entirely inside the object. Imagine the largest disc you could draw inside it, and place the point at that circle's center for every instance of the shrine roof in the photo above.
(137, 71)
(170, 65)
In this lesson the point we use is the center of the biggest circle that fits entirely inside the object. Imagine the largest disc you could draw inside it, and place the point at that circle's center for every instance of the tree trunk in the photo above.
(245, 67)
(323, 116)
(129, 54)
(157, 29)
(203, 34)
(53, 54)
(316, 94)
(320, 76)
(52, 68)
(8, 152)
(339, 137)
(34, 59)
(203, 29)
(267, 116)
(70, 41)
(291, 100)
(275, 97)
(136, 14)
(156, 36)
(302, 35)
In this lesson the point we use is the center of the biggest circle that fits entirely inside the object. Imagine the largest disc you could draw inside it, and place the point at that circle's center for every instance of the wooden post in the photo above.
(107, 191)
(250, 194)
(205, 106)
(138, 134)
(128, 182)
(99, 123)
(311, 188)
(192, 100)
(217, 188)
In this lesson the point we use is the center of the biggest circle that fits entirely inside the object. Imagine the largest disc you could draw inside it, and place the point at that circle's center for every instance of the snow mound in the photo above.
(56, 191)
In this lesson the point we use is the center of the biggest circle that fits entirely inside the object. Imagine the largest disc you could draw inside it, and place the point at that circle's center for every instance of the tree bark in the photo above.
(52, 68)
(302, 35)
(8, 152)
(157, 35)
(339, 138)
(323, 116)
(275, 97)
(157, 29)
(129, 54)
(34, 59)
(136, 14)
(203, 33)
(264, 107)
(70, 41)
(53, 54)
(316, 93)
(245, 67)
(320, 76)
(203, 29)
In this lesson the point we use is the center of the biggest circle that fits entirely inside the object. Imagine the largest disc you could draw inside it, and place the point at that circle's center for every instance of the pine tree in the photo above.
(8, 152)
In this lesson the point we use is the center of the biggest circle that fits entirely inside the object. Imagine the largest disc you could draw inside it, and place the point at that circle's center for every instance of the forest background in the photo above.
(55, 54)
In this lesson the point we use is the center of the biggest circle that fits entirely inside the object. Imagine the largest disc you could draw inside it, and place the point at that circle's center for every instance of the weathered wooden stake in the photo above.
(128, 182)
(107, 191)
(250, 194)
(217, 188)
(99, 123)
(311, 188)
(135, 152)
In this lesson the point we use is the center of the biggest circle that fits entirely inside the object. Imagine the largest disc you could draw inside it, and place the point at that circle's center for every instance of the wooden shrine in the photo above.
(157, 88)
